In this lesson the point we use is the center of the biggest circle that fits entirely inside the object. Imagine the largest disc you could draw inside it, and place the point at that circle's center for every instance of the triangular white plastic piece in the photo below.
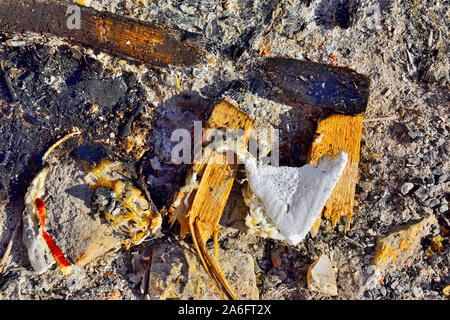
(294, 197)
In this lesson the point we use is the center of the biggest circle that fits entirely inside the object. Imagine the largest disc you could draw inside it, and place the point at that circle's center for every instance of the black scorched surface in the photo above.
(56, 90)
(299, 82)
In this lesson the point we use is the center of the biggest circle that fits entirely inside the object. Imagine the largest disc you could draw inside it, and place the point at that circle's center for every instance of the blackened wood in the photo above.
(299, 82)
(143, 41)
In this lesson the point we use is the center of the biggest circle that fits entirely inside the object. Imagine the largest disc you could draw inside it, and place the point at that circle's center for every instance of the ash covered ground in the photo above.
(401, 45)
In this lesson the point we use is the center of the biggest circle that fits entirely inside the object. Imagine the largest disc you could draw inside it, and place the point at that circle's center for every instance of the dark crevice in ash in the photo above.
(332, 13)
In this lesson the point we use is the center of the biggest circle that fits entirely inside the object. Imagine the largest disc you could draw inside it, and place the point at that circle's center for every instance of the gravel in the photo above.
(406, 187)
(431, 203)
(422, 193)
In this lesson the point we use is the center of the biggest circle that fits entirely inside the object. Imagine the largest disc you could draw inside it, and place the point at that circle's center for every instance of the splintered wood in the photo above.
(217, 177)
(339, 133)
(201, 215)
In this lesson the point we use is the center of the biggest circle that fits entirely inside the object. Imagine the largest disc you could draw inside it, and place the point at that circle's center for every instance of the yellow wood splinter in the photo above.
(200, 212)
(334, 134)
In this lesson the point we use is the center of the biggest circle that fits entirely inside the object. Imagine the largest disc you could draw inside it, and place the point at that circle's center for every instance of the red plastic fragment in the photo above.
(54, 249)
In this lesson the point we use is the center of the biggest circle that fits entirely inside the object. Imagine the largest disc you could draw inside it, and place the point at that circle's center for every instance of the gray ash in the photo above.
(105, 199)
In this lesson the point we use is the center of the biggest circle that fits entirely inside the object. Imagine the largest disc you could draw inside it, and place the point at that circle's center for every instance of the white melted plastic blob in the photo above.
(257, 221)
(293, 198)
(285, 202)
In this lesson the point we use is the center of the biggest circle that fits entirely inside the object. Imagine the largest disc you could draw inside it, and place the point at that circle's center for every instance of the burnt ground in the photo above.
(50, 86)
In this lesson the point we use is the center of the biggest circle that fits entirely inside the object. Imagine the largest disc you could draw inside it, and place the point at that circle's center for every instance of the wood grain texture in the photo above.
(334, 134)
(217, 177)
(138, 40)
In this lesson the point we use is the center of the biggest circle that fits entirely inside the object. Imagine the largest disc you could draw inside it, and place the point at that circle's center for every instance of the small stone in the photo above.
(443, 178)
(414, 161)
(406, 187)
(320, 277)
(315, 228)
(432, 155)
(399, 248)
(417, 292)
(281, 275)
(443, 208)
(176, 272)
(412, 131)
(105, 197)
(250, 107)
(116, 212)
(345, 220)
(196, 72)
(406, 287)
(422, 193)
(113, 295)
(76, 279)
(406, 215)
(375, 294)
(431, 203)
(275, 256)
(394, 284)
(433, 261)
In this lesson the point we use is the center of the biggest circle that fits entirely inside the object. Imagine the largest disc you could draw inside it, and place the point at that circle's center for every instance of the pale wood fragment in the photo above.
(334, 134)
(217, 177)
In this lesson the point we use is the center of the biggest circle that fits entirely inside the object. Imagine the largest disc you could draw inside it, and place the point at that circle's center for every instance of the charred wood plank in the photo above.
(304, 82)
(143, 41)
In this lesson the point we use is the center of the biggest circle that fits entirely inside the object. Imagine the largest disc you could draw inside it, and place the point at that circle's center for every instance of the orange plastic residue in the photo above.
(333, 59)
(55, 250)
(265, 51)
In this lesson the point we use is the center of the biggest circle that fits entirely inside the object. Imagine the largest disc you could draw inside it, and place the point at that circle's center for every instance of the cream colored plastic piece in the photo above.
(320, 277)
(38, 252)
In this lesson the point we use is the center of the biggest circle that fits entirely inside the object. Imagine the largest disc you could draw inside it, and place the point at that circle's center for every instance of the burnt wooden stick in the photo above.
(11, 90)
(304, 82)
(143, 41)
